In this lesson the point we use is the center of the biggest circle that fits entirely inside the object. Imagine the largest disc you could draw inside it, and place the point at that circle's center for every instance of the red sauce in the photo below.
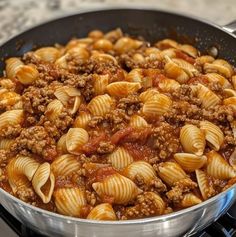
(118, 136)
(137, 151)
(103, 173)
(158, 79)
(138, 135)
(92, 145)
(198, 79)
(185, 57)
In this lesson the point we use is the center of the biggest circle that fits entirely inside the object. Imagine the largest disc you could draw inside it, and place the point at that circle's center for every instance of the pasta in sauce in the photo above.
(110, 127)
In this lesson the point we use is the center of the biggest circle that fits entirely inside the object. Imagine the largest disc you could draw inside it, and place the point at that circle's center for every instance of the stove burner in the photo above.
(224, 227)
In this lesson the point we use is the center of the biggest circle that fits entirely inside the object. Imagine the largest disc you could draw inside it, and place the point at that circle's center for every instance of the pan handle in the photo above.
(231, 27)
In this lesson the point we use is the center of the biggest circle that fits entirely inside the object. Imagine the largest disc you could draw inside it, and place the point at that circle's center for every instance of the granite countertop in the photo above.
(18, 15)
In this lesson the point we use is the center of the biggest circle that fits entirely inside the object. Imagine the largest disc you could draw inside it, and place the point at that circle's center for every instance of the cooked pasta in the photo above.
(112, 127)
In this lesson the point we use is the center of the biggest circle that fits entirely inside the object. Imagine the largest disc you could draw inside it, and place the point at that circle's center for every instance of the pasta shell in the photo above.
(213, 134)
(12, 66)
(189, 49)
(78, 43)
(95, 34)
(138, 58)
(113, 35)
(229, 92)
(157, 106)
(100, 83)
(117, 186)
(43, 182)
(125, 44)
(148, 94)
(218, 167)
(20, 171)
(69, 201)
(157, 201)
(215, 77)
(190, 162)
(100, 105)
(5, 144)
(189, 200)
(120, 158)
(7, 83)
(103, 44)
(54, 110)
(9, 98)
(171, 172)
(102, 211)
(82, 120)
(231, 101)
(11, 118)
(79, 52)
(233, 79)
(27, 74)
(141, 169)
(206, 96)
(48, 54)
(219, 66)
(123, 88)
(204, 59)
(168, 85)
(137, 121)
(174, 71)
(61, 145)
(203, 184)
(192, 139)
(65, 165)
(65, 93)
(75, 139)
(102, 57)
(135, 75)
(62, 61)
(167, 43)
(152, 51)
(171, 53)
(186, 66)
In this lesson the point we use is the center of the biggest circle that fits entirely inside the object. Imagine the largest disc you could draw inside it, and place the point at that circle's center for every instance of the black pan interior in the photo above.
(151, 24)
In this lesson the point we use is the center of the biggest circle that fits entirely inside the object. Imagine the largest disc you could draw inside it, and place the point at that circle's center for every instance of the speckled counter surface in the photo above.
(18, 15)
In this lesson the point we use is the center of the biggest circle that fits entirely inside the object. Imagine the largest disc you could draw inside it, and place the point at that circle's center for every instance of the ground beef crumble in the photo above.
(36, 140)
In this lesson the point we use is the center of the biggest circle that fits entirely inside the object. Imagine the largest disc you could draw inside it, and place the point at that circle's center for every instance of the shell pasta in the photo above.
(111, 127)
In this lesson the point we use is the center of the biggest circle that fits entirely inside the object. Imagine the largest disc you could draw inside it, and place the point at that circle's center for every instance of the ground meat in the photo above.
(219, 113)
(91, 197)
(145, 206)
(185, 93)
(36, 140)
(180, 187)
(130, 104)
(117, 119)
(105, 147)
(10, 131)
(57, 127)
(183, 111)
(3, 157)
(26, 194)
(166, 140)
(35, 99)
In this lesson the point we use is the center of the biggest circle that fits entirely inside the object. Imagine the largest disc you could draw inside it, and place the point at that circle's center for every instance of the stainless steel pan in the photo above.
(152, 25)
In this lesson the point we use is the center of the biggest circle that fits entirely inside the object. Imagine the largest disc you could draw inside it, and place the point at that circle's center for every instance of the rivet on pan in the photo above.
(213, 51)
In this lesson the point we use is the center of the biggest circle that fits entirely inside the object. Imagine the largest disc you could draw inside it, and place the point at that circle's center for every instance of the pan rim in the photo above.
(149, 220)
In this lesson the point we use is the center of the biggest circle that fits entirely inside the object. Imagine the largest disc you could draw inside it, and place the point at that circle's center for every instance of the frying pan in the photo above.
(152, 25)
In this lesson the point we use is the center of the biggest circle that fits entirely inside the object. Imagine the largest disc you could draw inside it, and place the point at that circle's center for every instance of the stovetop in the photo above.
(223, 227)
